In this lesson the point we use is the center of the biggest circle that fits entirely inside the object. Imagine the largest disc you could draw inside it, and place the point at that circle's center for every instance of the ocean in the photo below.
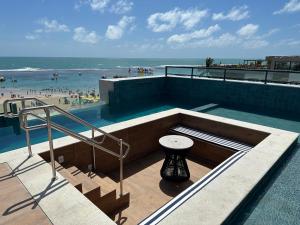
(79, 73)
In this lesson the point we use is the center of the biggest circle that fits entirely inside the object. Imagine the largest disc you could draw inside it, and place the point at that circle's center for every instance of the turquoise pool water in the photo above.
(98, 115)
(278, 202)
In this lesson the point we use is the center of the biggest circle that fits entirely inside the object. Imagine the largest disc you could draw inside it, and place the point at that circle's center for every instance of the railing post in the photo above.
(121, 167)
(47, 111)
(27, 131)
(166, 71)
(94, 153)
(224, 77)
(192, 75)
(266, 77)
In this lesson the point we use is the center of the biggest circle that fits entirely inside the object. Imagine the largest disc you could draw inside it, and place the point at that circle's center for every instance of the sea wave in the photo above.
(163, 66)
(24, 69)
(133, 67)
(31, 69)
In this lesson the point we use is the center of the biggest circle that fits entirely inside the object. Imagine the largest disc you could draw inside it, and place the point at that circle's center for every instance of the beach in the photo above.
(64, 99)
(73, 82)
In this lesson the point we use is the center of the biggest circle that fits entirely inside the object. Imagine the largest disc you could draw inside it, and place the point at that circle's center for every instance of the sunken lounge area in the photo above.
(222, 155)
(145, 191)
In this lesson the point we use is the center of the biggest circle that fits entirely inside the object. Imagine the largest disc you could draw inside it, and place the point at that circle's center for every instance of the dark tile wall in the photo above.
(132, 93)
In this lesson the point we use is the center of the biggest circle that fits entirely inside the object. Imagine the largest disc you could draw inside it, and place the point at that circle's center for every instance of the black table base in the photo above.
(175, 167)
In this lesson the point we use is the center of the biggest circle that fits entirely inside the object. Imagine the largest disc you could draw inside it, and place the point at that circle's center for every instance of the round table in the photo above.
(175, 167)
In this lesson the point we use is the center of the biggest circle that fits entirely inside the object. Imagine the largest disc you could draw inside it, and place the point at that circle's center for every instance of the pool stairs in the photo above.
(97, 189)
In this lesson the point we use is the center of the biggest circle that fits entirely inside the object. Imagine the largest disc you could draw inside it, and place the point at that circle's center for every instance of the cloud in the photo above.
(221, 41)
(245, 38)
(270, 33)
(255, 43)
(115, 32)
(122, 6)
(32, 37)
(289, 42)
(84, 36)
(289, 7)
(248, 30)
(96, 5)
(51, 26)
(186, 37)
(235, 14)
(160, 22)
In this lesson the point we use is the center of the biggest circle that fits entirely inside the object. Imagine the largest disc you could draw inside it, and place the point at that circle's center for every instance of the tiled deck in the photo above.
(17, 205)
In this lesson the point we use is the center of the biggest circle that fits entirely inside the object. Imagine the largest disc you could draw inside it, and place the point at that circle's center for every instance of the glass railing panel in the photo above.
(284, 77)
(295, 66)
(248, 75)
(179, 71)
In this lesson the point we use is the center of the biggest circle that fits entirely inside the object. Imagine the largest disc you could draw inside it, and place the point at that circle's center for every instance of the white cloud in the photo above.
(78, 4)
(115, 32)
(51, 26)
(255, 43)
(248, 30)
(122, 6)
(32, 37)
(98, 5)
(289, 7)
(290, 42)
(235, 14)
(190, 18)
(84, 36)
(221, 41)
(186, 37)
(245, 38)
(270, 33)
(160, 22)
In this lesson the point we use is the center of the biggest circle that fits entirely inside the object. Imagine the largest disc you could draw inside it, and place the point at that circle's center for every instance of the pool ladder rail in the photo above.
(46, 109)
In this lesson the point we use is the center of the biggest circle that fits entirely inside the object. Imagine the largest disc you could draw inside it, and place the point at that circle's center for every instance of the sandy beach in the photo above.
(64, 99)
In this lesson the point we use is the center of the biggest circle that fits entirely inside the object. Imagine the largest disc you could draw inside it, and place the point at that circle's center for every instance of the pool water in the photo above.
(278, 202)
(98, 115)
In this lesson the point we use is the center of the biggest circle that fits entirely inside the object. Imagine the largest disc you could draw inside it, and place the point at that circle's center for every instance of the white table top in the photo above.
(176, 142)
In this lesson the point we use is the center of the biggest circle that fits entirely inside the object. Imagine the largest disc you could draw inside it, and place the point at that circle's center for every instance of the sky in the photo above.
(150, 28)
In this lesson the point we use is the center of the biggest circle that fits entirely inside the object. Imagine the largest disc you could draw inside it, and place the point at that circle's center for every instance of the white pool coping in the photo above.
(212, 205)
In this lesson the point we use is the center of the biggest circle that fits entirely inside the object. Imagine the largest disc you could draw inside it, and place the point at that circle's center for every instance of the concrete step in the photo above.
(89, 188)
(106, 202)
(68, 176)
(106, 183)
(111, 205)
(121, 203)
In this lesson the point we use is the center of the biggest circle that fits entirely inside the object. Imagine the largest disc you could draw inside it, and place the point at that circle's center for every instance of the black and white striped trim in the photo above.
(208, 137)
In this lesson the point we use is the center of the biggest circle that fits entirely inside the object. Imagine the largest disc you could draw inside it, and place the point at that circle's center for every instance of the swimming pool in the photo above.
(278, 200)
(99, 115)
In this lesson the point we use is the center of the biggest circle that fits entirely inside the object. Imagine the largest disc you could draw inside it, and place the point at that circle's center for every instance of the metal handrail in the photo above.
(229, 68)
(22, 100)
(264, 73)
(23, 117)
(58, 127)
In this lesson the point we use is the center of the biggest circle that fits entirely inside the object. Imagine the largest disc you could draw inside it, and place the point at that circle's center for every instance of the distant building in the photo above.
(283, 62)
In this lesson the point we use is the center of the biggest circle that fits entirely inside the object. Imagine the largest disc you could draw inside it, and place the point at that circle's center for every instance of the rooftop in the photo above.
(148, 192)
